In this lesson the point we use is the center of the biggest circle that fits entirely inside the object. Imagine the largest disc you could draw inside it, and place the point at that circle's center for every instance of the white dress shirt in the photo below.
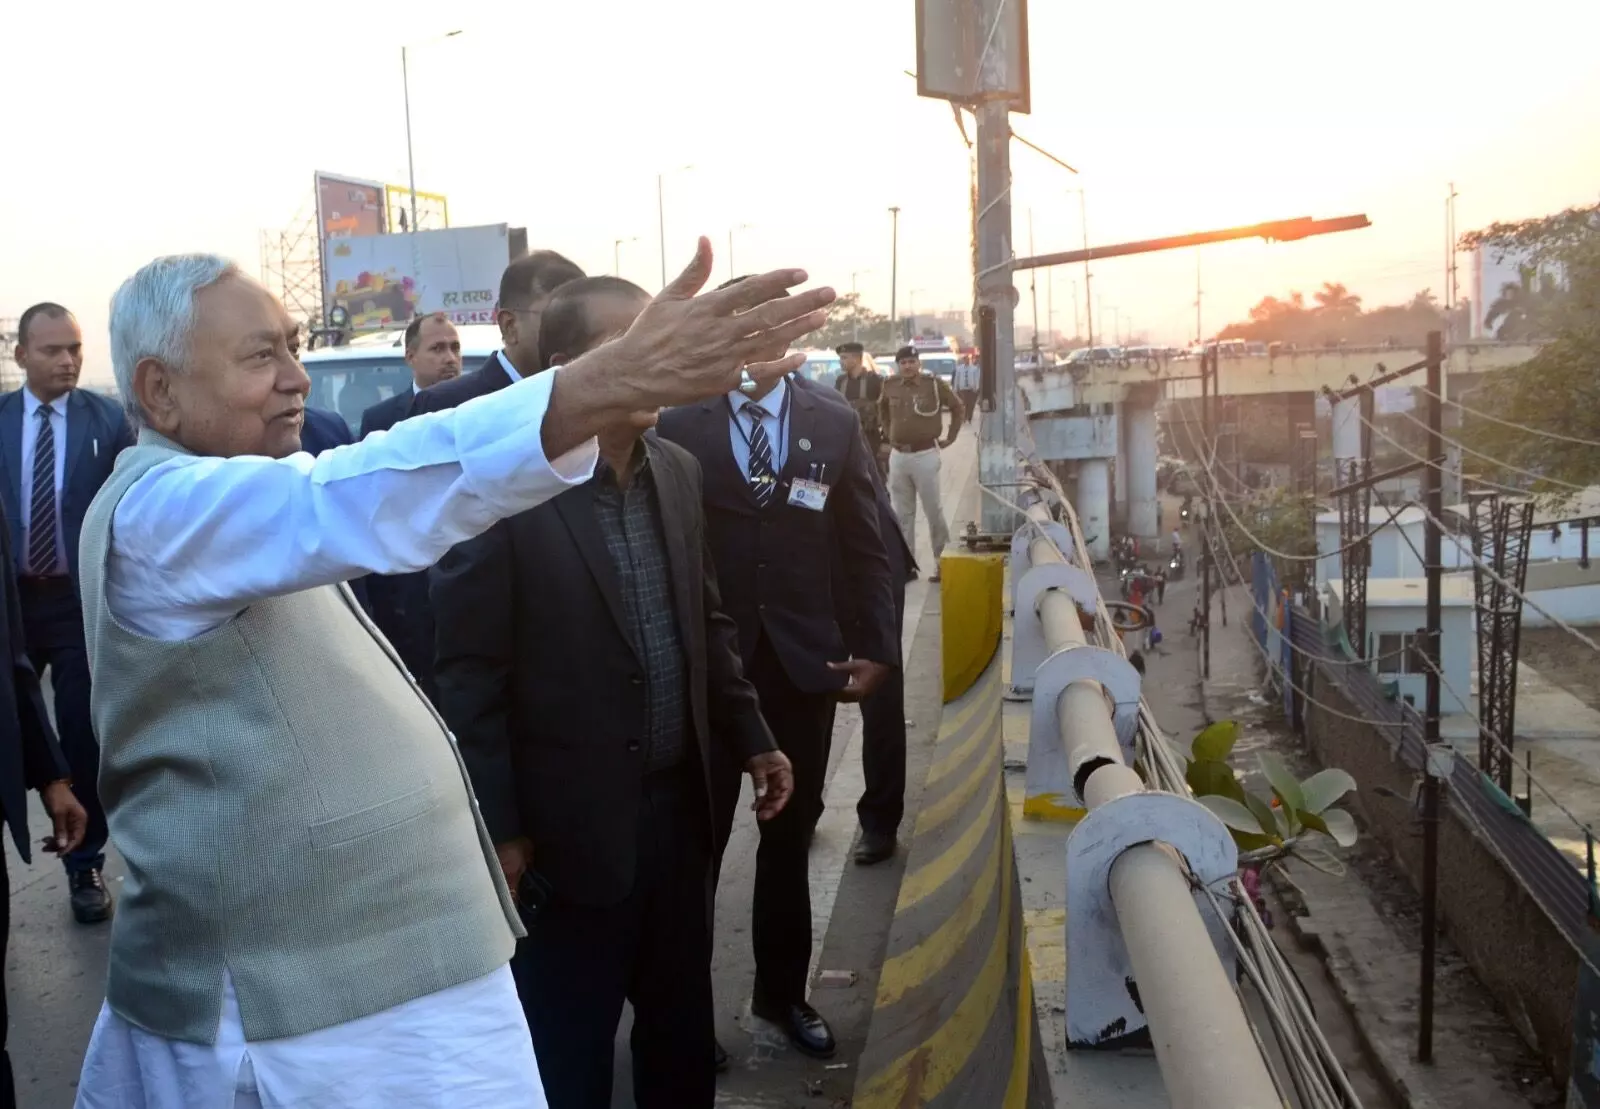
(774, 420)
(505, 364)
(194, 542)
(30, 439)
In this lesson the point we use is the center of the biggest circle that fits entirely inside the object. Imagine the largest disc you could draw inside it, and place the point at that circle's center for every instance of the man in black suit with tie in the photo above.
(525, 288)
(883, 715)
(786, 482)
(30, 758)
(593, 685)
(399, 602)
(433, 354)
(322, 431)
(58, 444)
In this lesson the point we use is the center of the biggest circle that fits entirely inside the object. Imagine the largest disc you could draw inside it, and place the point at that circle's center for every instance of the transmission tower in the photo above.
(291, 266)
(1501, 535)
(1355, 512)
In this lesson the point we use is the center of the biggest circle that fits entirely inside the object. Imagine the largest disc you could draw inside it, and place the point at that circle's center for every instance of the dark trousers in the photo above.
(969, 402)
(8, 1091)
(52, 623)
(802, 723)
(883, 745)
(580, 962)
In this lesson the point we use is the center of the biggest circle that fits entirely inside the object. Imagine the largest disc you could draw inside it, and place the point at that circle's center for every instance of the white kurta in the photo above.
(194, 542)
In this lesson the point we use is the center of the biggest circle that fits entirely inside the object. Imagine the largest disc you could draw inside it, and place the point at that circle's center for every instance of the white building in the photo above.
(1396, 612)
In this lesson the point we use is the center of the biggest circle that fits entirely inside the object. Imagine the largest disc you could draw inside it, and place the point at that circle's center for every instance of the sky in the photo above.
(146, 128)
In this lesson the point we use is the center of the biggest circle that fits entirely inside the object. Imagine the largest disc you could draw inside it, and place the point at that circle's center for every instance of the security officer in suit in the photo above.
(399, 602)
(787, 481)
(883, 714)
(433, 354)
(58, 444)
(526, 287)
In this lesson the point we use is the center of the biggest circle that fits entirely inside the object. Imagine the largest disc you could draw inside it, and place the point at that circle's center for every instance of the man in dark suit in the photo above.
(525, 288)
(433, 354)
(883, 715)
(322, 431)
(786, 479)
(590, 677)
(30, 758)
(399, 602)
(57, 447)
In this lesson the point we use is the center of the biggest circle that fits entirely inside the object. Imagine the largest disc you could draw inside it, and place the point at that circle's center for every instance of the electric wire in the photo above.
(1495, 739)
(1499, 462)
(1431, 464)
(1256, 541)
(1555, 435)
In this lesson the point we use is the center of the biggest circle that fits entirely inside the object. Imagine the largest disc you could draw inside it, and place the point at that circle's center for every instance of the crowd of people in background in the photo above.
(580, 592)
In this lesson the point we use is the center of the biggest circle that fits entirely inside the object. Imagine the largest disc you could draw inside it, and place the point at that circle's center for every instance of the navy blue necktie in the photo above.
(42, 509)
(763, 478)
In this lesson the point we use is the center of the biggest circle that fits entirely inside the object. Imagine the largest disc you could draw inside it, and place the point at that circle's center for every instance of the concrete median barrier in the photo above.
(953, 1023)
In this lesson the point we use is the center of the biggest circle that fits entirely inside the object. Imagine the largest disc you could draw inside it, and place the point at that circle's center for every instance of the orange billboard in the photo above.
(347, 207)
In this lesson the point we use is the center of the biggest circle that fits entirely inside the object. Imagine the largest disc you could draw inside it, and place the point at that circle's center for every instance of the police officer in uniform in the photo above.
(911, 413)
(862, 388)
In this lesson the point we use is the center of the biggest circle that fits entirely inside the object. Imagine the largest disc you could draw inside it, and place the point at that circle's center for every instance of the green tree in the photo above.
(1516, 314)
(850, 320)
(1557, 391)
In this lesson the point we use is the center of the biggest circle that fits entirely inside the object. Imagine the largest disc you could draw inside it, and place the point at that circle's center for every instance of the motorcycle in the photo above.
(1175, 566)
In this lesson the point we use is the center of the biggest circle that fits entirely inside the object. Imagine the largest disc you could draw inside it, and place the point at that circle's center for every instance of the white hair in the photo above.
(152, 316)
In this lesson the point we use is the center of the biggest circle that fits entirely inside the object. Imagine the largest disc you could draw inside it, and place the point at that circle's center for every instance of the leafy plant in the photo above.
(1266, 828)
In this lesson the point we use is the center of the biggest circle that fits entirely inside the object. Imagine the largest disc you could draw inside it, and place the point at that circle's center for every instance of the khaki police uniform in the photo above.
(863, 392)
(911, 413)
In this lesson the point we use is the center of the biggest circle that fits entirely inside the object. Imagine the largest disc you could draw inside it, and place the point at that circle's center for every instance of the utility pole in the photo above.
(894, 271)
(1199, 332)
(1033, 289)
(1452, 290)
(1432, 781)
(1205, 523)
(1088, 278)
(997, 432)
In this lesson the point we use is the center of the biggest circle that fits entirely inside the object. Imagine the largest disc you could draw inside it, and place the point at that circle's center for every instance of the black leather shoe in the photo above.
(721, 1057)
(91, 901)
(803, 1025)
(874, 848)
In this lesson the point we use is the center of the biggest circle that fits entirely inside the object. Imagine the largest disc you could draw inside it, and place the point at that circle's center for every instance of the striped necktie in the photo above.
(42, 509)
(763, 480)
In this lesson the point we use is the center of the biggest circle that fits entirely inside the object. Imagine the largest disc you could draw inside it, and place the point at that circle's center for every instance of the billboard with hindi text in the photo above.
(384, 281)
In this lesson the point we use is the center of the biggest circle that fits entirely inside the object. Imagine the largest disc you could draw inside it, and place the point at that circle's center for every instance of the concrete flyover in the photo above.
(954, 1022)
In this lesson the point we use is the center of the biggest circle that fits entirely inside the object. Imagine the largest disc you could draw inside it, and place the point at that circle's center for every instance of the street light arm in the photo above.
(1282, 231)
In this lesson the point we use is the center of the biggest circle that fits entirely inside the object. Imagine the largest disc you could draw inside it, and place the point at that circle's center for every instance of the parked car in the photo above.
(350, 379)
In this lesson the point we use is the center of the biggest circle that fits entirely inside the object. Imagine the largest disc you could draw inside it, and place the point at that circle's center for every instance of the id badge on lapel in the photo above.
(808, 494)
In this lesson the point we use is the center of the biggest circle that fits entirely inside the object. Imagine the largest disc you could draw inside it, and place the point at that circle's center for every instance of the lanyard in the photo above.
(783, 422)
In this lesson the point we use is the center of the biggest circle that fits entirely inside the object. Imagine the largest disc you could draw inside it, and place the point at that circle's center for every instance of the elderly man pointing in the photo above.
(313, 913)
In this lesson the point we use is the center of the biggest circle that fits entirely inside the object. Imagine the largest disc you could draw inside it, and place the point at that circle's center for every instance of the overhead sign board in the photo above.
(385, 280)
(347, 207)
(969, 51)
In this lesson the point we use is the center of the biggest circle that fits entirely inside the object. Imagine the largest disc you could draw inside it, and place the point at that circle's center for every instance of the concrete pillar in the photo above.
(1347, 428)
(1119, 474)
(1140, 452)
(1094, 505)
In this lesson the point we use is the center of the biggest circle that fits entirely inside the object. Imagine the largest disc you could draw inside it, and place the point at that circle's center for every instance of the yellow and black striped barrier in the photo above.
(953, 1023)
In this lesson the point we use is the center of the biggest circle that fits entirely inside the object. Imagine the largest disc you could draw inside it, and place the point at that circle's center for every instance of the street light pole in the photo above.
(1088, 278)
(616, 254)
(855, 322)
(661, 223)
(411, 165)
(732, 272)
(894, 267)
(661, 217)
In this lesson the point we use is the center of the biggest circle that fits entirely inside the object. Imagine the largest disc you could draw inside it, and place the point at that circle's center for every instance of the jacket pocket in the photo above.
(340, 830)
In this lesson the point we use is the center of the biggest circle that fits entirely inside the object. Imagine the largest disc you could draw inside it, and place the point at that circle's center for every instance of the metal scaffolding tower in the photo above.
(1355, 513)
(1502, 530)
(291, 266)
